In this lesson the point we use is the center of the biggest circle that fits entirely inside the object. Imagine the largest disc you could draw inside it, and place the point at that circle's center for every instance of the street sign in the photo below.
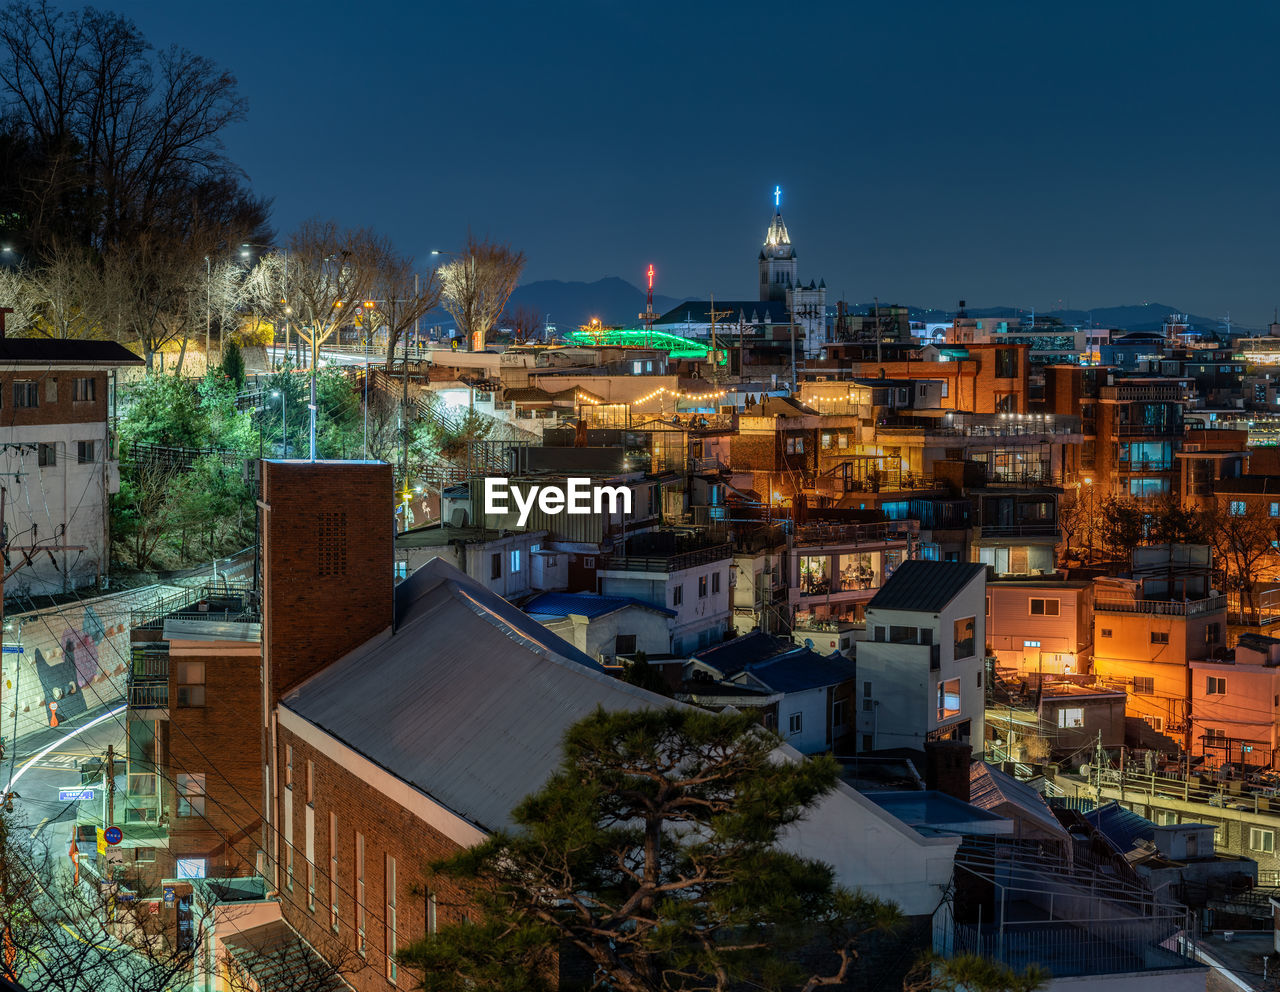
(168, 895)
(13, 649)
(114, 835)
(74, 795)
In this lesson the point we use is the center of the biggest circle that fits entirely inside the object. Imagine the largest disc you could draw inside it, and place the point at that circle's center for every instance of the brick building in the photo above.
(57, 448)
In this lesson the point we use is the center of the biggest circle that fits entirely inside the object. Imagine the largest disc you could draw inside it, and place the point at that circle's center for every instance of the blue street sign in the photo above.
(168, 895)
(72, 795)
(113, 835)
(13, 649)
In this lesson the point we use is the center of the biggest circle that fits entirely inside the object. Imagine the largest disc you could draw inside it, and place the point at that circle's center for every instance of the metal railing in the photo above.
(675, 562)
(1047, 528)
(813, 535)
(1157, 607)
(148, 694)
(1069, 948)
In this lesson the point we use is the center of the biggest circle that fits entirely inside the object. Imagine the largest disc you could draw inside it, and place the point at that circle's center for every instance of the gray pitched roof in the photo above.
(468, 700)
(925, 586)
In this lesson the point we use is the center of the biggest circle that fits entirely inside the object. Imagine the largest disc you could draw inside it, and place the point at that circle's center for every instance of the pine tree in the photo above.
(652, 854)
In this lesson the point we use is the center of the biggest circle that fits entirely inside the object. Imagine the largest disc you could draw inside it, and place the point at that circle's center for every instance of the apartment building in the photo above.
(1041, 627)
(1235, 704)
(921, 666)
(1150, 626)
(59, 459)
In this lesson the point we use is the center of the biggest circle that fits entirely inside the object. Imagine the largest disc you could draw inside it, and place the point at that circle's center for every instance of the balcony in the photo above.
(1162, 607)
(1136, 392)
(853, 535)
(676, 561)
(1038, 528)
(229, 602)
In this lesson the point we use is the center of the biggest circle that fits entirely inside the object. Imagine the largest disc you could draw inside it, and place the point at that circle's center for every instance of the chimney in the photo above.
(946, 765)
(327, 553)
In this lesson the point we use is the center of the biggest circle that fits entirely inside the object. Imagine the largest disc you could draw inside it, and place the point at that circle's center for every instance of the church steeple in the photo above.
(777, 257)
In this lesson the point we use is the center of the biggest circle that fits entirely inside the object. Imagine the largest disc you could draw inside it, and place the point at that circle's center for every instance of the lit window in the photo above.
(1275, 509)
(1073, 717)
(1237, 508)
(1030, 644)
(948, 699)
(515, 561)
(795, 723)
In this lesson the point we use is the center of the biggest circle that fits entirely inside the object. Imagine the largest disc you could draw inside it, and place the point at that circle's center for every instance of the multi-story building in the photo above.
(1041, 627)
(59, 459)
(834, 569)
(1150, 626)
(1235, 704)
(921, 666)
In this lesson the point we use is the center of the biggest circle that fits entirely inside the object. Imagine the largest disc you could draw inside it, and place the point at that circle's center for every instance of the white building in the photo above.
(920, 670)
(58, 467)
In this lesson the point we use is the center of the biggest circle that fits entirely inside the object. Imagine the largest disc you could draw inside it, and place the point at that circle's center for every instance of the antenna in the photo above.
(649, 317)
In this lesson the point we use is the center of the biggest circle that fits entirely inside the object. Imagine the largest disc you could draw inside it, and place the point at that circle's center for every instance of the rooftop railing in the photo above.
(676, 561)
(813, 535)
(1161, 607)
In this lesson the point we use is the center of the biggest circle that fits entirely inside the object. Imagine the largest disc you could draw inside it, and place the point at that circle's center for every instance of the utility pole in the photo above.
(111, 785)
(715, 315)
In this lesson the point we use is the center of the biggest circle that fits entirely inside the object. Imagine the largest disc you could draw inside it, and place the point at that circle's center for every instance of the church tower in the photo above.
(777, 257)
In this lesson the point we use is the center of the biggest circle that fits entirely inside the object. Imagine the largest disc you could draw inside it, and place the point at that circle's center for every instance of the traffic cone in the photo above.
(53, 717)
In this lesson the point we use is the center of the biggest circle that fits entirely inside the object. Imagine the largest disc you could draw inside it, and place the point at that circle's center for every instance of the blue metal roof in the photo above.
(1122, 828)
(586, 604)
(802, 669)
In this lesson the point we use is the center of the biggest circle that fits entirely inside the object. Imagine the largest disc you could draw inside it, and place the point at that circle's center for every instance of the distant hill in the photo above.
(616, 301)
(1137, 317)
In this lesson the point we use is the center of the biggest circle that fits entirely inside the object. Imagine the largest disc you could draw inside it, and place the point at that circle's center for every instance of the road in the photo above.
(37, 809)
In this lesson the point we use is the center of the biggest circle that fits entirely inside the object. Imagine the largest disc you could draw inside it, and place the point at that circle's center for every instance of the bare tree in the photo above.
(16, 294)
(1241, 544)
(67, 294)
(526, 323)
(63, 933)
(118, 133)
(401, 297)
(475, 286)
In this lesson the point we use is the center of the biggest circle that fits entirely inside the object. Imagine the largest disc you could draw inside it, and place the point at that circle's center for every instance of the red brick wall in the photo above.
(222, 740)
(327, 562)
(388, 829)
(63, 410)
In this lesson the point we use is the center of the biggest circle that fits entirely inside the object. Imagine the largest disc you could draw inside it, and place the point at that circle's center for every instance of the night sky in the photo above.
(1009, 153)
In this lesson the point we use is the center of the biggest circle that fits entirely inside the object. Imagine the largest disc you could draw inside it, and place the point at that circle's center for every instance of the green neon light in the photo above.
(673, 344)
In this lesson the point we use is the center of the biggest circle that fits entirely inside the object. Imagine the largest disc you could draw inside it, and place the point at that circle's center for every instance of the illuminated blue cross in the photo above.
(777, 197)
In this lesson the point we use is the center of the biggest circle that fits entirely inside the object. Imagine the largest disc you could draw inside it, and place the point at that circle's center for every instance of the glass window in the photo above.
(46, 455)
(495, 566)
(1237, 508)
(84, 389)
(677, 595)
(948, 699)
(795, 723)
(1263, 841)
(1215, 686)
(1144, 685)
(1159, 637)
(515, 561)
(26, 393)
(85, 452)
(702, 587)
(191, 796)
(1044, 607)
(1275, 509)
(1073, 717)
(814, 578)
(190, 683)
(964, 637)
(856, 571)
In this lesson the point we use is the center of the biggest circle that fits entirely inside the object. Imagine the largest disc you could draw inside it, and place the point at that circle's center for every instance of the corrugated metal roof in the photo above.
(925, 586)
(1122, 828)
(468, 700)
(990, 788)
(735, 655)
(59, 351)
(586, 604)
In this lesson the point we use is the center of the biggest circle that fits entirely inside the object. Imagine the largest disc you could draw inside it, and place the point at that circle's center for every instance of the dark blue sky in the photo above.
(1009, 153)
